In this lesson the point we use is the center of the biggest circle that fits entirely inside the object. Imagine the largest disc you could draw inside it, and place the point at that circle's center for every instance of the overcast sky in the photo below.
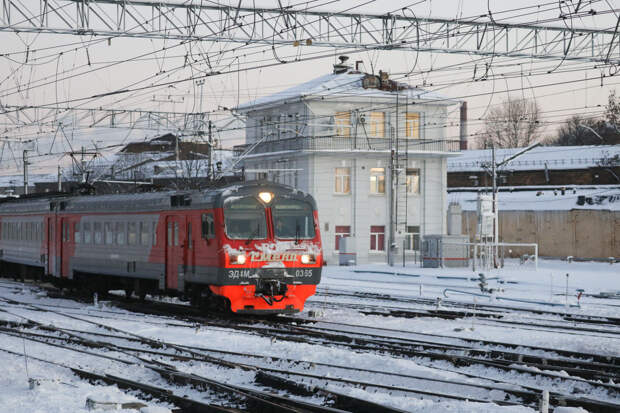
(142, 59)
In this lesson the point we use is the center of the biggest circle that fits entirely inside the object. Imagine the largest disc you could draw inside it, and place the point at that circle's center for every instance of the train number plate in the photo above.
(303, 273)
(236, 274)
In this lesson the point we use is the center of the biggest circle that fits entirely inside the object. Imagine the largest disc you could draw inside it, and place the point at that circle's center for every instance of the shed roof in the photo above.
(549, 157)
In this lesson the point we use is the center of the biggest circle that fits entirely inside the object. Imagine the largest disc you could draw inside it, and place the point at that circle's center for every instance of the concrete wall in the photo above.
(580, 233)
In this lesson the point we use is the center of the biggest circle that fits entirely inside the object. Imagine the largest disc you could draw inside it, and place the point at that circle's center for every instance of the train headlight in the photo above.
(266, 197)
(238, 259)
(308, 259)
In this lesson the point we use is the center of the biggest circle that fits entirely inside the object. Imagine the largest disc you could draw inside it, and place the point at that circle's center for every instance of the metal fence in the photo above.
(343, 143)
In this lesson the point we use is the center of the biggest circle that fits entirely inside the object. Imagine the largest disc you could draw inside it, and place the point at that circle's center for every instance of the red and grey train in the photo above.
(255, 246)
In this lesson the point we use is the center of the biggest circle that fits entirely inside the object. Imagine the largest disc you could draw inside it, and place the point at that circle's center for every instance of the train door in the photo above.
(175, 252)
(63, 265)
(51, 246)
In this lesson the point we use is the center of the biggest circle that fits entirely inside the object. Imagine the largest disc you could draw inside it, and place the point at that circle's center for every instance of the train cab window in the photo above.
(98, 233)
(244, 218)
(132, 236)
(78, 234)
(293, 219)
(120, 233)
(208, 226)
(144, 233)
(87, 233)
(169, 234)
(109, 234)
(176, 234)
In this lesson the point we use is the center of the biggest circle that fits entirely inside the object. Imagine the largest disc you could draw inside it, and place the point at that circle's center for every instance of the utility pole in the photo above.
(392, 188)
(25, 161)
(494, 166)
(210, 148)
(495, 211)
(59, 180)
(83, 166)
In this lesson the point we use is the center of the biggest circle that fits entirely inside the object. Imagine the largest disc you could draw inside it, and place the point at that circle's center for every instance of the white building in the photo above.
(335, 137)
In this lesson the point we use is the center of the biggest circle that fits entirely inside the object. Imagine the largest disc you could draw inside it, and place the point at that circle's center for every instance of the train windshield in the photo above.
(245, 218)
(292, 219)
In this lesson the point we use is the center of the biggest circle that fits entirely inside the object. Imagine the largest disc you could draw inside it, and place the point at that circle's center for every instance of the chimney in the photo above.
(463, 127)
(341, 67)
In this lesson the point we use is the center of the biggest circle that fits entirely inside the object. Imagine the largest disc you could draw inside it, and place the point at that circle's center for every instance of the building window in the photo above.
(341, 232)
(412, 238)
(413, 181)
(377, 125)
(343, 124)
(377, 180)
(377, 238)
(412, 125)
(343, 180)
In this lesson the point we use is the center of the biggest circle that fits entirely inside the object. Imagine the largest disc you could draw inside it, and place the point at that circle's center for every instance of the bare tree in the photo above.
(512, 124)
(579, 130)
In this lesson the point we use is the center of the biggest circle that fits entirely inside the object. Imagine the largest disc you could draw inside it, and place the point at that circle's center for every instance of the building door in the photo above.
(175, 251)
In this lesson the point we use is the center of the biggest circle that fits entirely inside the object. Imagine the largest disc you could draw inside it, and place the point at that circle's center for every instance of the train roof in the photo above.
(149, 201)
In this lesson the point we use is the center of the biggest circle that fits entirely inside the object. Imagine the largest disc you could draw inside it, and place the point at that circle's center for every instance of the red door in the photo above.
(175, 250)
(64, 255)
(51, 247)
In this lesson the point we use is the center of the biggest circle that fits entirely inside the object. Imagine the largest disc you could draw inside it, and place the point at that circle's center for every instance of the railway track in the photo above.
(241, 397)
(484, 310)
(458, 354)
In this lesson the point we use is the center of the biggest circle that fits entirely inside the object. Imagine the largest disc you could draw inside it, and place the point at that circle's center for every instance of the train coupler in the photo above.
(269, 289)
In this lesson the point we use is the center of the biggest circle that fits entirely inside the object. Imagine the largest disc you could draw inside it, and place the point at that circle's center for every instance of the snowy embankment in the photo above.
(337, 306)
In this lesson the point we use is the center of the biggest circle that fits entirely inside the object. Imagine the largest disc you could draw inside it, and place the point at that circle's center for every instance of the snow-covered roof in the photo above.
(551, 157)
(600, 197)
(18, 180)
(347, 84)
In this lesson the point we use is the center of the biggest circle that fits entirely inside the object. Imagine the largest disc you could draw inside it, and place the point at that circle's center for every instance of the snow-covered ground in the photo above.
(337, 305)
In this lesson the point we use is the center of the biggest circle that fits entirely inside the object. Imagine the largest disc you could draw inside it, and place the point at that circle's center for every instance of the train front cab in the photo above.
(270, 250)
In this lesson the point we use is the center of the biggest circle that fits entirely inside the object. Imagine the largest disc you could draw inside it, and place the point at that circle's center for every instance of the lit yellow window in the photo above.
(377, 124)
(343, 124)
(412, 127)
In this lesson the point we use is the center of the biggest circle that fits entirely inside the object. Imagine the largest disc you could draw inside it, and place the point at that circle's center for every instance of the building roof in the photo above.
(549, 157)
(541, 198)
(348, 84)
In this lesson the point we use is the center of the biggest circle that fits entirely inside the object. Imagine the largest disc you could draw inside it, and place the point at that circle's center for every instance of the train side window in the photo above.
(78, 234)
(132, 236)
(120, 233)
(87, 233)
(176, 233)
(98, 233)
(190, 243)
(109, 234)
(208, 227)
(154, 232)
(144, 233)
(169, 234)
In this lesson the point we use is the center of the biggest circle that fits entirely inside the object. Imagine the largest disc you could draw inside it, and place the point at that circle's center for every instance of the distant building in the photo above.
(564, 198)
(333, 137)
